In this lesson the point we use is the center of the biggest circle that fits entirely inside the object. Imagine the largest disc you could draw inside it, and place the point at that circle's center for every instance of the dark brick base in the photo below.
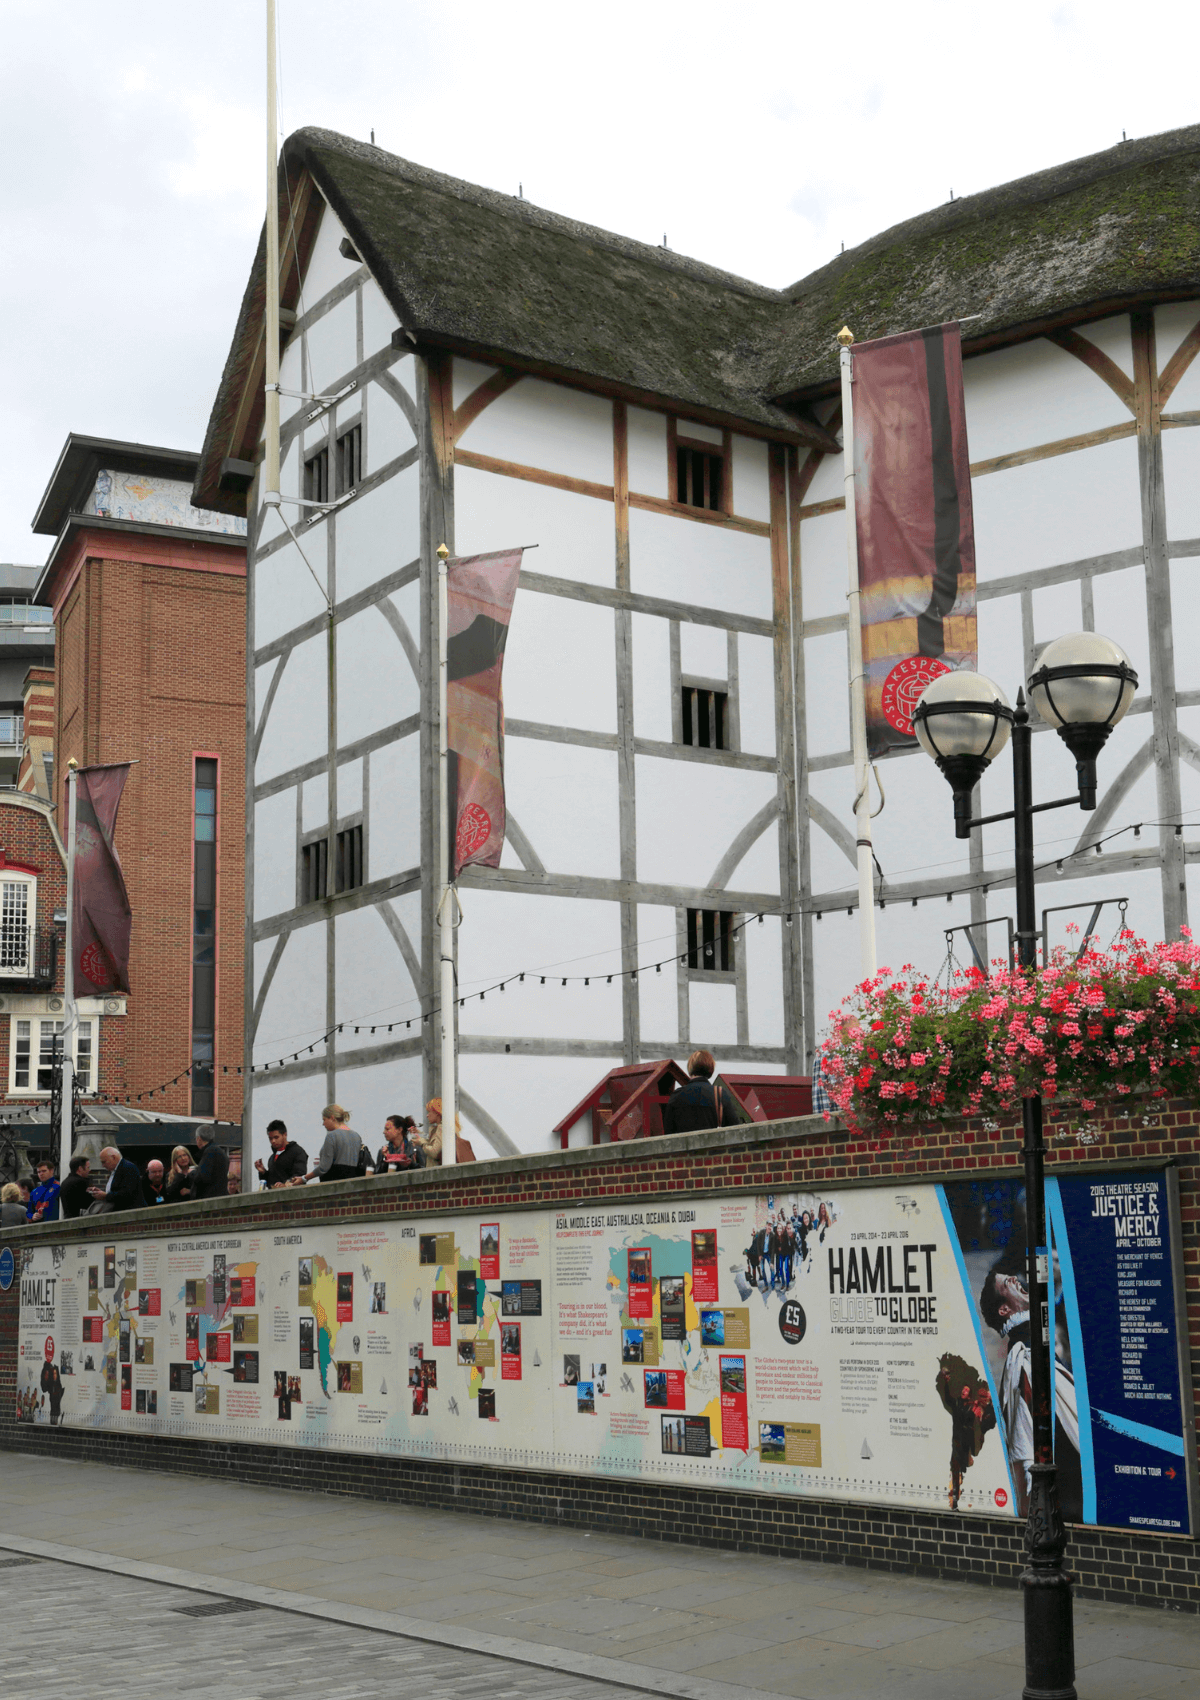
(1108, 1564)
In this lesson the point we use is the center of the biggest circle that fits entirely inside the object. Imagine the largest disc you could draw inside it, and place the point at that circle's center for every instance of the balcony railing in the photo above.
(29, 954)
(12, 730)
(25, 614)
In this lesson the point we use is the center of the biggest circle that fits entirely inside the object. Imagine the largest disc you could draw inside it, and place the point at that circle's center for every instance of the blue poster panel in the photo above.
(1122, 1441)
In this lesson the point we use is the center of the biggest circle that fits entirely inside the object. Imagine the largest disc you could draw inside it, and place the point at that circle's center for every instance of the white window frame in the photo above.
(10, 876)
(89, 1028)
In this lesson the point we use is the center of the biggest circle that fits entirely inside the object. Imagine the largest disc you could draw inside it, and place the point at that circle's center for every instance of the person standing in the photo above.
(396, 1152)
(212, 1171)
(429, 1143)
(12, 1211)
(699, 1104)
(287, 1162)
(124, 1189)
(338, 1159)
(153, 1183)
(43, 1200)
(73, 1195)
(179, 1176)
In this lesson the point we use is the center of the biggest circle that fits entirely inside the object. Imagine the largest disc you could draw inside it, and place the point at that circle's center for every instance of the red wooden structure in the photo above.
(771, 1097)
(627, 1103)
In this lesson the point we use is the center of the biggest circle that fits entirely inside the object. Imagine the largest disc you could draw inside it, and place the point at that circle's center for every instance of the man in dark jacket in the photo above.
(288, 1161)
(211, 1176)
(696, 1105)
(124, 1189)
(74, 1196)
(153, 1182)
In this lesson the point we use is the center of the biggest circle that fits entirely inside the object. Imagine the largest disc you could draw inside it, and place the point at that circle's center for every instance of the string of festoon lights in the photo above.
(979, 883)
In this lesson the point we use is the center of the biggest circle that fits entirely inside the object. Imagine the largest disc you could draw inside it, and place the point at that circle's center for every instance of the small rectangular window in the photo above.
(705, 718)
(14, 926)
(21, 1058)
(314, 865)
(316, 477)
(349, 459)
(699, 478)
(350, 858)
(710, 940)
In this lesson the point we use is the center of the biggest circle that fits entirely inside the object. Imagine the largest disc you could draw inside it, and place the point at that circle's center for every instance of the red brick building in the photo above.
(149, 600)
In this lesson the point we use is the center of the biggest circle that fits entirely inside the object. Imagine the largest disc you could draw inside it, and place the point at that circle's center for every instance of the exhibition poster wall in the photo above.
(865, 1344)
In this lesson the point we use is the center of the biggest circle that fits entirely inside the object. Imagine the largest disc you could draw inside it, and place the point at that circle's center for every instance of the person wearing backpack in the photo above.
(343, 1151)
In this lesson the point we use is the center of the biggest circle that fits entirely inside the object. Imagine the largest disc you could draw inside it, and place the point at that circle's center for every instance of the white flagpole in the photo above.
(66, 1135)
(858, 702)
(448, 902)
(270, 483)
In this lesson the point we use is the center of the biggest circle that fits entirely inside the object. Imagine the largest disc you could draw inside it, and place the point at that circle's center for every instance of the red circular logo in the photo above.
(474, 829)
(1001, 1497)
(48, 1348)
(903, 686)
(91, 965)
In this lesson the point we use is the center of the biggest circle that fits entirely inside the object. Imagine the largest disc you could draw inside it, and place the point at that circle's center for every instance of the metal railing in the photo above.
(25, 614)
(29, 954)
(12, 729)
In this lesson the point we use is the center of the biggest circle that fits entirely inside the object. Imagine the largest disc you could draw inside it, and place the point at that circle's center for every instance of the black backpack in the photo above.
(364, 1160)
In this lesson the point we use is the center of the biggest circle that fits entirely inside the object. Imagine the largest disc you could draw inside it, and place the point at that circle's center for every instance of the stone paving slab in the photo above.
(566, 1605)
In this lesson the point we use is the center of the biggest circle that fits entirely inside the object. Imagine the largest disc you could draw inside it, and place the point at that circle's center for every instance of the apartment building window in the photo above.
(705, 717)
(316, 476)
(710, 940)
(700, 477)
(204, 935)
(35, 1047)
(349, 459)
(17, 904)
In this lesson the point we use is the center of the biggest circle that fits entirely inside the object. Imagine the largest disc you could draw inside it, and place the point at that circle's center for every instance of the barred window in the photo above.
(316, 477)
(710, 940)
(349, 459)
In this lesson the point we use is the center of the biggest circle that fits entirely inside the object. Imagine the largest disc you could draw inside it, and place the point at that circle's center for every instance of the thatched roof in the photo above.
(490, 275)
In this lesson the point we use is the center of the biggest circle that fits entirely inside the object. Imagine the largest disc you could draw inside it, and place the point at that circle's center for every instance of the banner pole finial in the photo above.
(845, 336)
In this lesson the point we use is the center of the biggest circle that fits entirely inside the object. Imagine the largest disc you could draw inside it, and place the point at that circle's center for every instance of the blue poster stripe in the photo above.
(1087, 1460)
(952, 1235)
(1139, 1431)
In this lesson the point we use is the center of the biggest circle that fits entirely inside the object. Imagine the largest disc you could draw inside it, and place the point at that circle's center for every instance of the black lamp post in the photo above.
(1082, 687)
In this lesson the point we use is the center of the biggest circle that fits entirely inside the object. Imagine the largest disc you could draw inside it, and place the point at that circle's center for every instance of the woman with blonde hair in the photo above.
(338, 1159)
(12, 1211)
(429, 1143)
(178, 1182)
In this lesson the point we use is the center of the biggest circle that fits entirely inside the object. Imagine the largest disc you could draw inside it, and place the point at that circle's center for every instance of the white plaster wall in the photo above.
(505, 934)
(326, 267)
(758, 869)
(713, 1014)
(1058, 510)
(378, 532)
(293, 1012)
(708, 566)
(560, 663)
(275, 855)
(756, 693)
(389, 434)
(763, 948)
(1120, 604)
(657, 998)
(527, 1095)
(291, 376)
(1172, 322)
(549, 426)
(647, 438)
(466, 377)
(1113, 337)
(828, 481)
(285, 592)
(350, 790)
(379, 321)
(823, 564)
(566, 801)
(372, 985)
(652, 677)
(296, 730)
(376, 687)
(575, 535)
(688, 815)
(314, 807)
(332, 353)
(1185, 613)
(396, 810)
(1001, 656)
(703, 650)
(751, 485)
(1181, 476)
(831, 869)
(826, 694)
(1037, 393)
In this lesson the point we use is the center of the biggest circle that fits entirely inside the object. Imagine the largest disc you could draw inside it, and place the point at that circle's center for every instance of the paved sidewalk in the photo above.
(673, 1620)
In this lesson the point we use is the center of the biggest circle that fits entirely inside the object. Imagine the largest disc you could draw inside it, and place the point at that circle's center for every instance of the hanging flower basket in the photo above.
(1087, 1032)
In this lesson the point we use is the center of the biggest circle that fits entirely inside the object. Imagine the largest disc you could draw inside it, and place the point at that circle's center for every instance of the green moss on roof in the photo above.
(467, 268)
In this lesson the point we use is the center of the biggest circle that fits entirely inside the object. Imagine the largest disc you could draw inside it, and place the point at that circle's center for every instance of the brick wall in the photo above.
(38, 712)
(805, 1154)
(151, 669)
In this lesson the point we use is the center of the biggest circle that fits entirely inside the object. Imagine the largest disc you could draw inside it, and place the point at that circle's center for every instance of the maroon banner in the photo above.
(101, 919)
(916, 535)
(480, 592)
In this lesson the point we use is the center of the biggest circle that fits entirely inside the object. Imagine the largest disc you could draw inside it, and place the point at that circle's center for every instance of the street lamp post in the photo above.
(1082, 687)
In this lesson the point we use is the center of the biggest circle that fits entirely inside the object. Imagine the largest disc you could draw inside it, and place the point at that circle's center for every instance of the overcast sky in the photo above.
(753, 135)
